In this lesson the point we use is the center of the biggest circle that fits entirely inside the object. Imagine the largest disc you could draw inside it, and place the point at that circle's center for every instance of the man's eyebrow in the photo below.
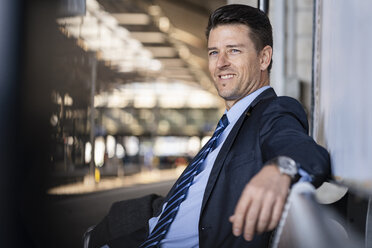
(228, 46)
(235, 45)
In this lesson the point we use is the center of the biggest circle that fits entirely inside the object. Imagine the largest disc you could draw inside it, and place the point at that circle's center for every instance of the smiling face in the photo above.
(236, 67)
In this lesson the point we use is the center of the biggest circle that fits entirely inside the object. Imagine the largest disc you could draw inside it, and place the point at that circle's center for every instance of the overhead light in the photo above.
(92, 5)
(165, 95)
(164, 24)
(99, 31)
(132, 18)
(68, 101)
(154, 10)
(155, 65)
(107, 19)
(184, 52)
(171, 62)
(149, 37)
(187, 37)
(166, 52)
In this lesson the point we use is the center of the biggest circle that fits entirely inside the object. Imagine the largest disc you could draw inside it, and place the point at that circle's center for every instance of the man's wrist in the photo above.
(286, 166)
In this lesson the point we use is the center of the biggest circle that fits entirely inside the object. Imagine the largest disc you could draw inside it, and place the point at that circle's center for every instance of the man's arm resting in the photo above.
(283, 133)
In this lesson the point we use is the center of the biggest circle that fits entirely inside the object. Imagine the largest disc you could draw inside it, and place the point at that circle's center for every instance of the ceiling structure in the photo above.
(173, 31)
(154, 39)
(159, 44)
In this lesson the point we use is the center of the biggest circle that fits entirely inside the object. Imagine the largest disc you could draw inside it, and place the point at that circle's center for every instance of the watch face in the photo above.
(287, 166)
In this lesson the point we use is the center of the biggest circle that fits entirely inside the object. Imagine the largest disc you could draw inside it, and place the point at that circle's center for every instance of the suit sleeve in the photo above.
(284, 132)
(128, 217)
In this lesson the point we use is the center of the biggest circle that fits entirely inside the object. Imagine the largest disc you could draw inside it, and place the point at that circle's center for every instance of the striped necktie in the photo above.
(182, 187)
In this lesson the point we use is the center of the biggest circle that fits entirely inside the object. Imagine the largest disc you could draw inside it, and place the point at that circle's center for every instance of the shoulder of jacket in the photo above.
(286, 102)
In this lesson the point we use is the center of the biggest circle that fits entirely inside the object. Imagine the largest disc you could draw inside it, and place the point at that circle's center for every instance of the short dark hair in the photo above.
(259, 24)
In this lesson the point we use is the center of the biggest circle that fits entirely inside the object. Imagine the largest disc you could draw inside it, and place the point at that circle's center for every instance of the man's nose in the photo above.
(222, 61)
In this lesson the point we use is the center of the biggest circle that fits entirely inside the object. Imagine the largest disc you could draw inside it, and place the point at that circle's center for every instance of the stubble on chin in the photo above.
(227, 95)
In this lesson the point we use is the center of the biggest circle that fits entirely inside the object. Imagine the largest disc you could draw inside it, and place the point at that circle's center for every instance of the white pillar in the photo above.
(277, 80)
(252, 3)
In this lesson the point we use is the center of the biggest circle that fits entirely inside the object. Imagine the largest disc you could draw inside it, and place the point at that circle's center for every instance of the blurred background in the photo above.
(106, 100)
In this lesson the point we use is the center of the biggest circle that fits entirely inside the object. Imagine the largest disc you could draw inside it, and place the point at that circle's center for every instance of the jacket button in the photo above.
(203, 228)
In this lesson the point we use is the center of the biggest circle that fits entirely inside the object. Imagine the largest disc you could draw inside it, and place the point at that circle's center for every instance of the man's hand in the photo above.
(261, 204)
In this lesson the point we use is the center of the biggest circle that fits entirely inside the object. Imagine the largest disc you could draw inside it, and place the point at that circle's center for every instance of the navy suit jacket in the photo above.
(271, 126)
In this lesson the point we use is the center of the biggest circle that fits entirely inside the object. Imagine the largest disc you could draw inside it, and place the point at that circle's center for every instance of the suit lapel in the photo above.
(218, 164)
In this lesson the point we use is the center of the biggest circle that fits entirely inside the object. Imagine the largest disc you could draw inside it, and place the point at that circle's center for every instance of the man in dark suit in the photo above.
(237, 196)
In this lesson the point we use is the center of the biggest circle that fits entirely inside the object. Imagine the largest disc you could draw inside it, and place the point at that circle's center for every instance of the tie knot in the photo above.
(223, 121)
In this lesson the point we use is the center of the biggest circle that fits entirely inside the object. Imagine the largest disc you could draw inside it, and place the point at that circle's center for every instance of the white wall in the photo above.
(343, 109)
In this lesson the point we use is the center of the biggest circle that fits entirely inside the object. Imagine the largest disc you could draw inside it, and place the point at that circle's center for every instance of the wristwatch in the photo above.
(286, 166)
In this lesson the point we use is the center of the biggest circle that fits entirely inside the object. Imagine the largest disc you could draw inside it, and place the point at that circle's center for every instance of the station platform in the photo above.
(89, 184)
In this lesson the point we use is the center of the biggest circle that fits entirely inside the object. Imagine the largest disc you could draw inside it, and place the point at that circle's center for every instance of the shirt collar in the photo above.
(238, 108)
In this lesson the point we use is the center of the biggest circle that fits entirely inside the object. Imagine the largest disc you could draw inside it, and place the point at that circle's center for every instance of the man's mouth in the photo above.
(226, 76)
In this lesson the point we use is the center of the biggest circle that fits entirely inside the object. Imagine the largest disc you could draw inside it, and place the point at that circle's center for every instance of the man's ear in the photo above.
(265, 57)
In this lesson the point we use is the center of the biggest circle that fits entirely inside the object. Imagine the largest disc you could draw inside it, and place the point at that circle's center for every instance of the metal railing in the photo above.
(307, 224)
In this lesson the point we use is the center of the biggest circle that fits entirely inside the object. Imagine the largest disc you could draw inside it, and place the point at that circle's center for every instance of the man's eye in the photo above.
(212, 53)
(235, 51)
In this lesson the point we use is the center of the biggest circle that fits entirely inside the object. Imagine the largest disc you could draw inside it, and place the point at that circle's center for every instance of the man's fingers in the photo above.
(232, 218)
(251, 220)
(265, 216)
(261, 203)
(277, 214)
(238, 218)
